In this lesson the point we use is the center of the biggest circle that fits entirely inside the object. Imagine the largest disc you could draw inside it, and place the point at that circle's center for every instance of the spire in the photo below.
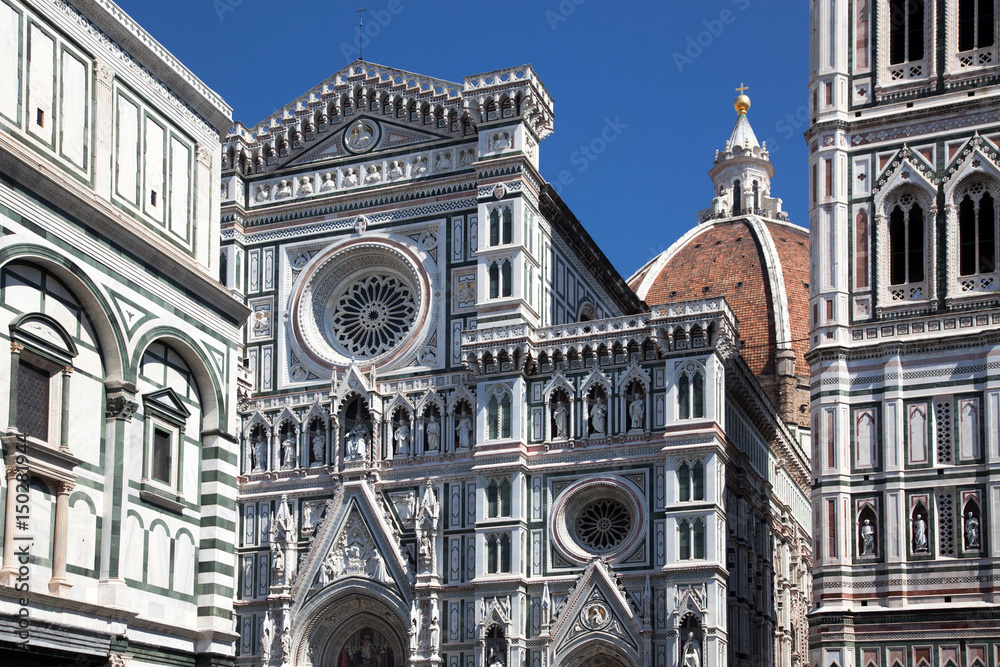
(742, 135)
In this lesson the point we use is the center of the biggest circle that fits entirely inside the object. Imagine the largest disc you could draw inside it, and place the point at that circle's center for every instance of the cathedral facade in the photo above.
(904, 181)
(469, 442)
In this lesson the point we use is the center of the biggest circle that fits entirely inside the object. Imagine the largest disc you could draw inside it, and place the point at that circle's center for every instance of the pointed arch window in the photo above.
(756, 197)
(492, 555)
(494, 227)
(507, 226)
(906, 241)
(737, 197)
(494, 281)
(691, 395)
(861, 250)
(492, 499)
(975, 24)
(977, 223)
(698, 535)
(684, 541)
(906, 31)
(498, 416)
(691, 481)
(505, 278)
(684, 483)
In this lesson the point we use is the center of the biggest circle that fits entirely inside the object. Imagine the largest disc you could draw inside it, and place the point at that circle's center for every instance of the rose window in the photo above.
(373, 314)
(604, 524)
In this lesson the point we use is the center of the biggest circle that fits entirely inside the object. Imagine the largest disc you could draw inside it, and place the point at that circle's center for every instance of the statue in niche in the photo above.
(262, 193)
(443, 161)
(501, 141)
(259, 453)
(306, 185)
(402, 438)
(286, 643)
(636, 413)
(350, 177)
(464, 430)
(374, 174)
(419, 166)
(691, 653)
(310, 513)
(867, 539)
(266, 638)
(318, 448)
(598, 418)
(284, 190)
(261, 322)
(328, 183)
(435, 634)
(278, 559)
(425, 551)
(465, 158)
(357, 442)
(396, 170)
(919, 533)
(288, 453)
(971, 531)
(495, 659)
(433, 433)
(560, 415)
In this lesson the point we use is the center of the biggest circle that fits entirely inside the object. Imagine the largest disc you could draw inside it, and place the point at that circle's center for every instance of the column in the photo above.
(15, 364)
(9, 561)
(58, 584)
(67, 371)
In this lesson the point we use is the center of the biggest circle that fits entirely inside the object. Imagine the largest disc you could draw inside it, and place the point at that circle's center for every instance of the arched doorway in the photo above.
(354, 629)
(596, 653)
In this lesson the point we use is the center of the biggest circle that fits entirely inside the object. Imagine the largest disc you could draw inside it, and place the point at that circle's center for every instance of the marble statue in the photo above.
(919, 533)
(306, 185)
(328, 183)
(396, 169)
(287, 453)
(259, 453)
(691, 655)
(561, 417)
(464, 429)
(350, 177)
(318, 447)
(284, 190)
(971, 531)
(867, 539)
(402, 438)
(598, 418)
(357, 442)
(636, 412)
(433, 434)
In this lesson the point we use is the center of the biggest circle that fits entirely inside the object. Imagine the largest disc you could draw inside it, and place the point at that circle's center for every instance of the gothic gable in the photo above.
(390, 136)
(356, 540)
(596, 609)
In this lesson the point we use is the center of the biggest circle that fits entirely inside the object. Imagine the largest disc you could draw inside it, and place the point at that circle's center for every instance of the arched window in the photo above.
(906, 31)
(691, 395)
(684, 543)
(493, 417)
(698, 481)
(906, 242)
(508, 225)
(977, 232)
(684, 397)
(505, 553)
(492, 499)
(737, 197)
(494, 281)
(684, 483)
(861, 250)
(505, 277)
(756, 197)
(494, 227)
(504, 498)
(505, 416)
(975, 24)
(492, 555)
(699, 539)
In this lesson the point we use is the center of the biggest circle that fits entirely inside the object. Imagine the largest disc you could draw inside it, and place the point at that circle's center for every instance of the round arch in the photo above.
(597, 653)
(323, 626)
(109, 334)
(209, 385)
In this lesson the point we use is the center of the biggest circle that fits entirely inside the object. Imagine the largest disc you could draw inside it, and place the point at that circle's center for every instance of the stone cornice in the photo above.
(110, 19)
(20, 164)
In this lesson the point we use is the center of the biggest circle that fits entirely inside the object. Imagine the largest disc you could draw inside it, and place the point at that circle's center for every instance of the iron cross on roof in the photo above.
(361, 34)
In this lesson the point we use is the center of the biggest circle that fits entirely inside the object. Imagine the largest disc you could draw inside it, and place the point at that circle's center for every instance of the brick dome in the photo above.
(761, 267)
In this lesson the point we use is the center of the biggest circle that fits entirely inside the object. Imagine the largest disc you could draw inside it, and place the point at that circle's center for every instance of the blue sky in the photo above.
(662, 74)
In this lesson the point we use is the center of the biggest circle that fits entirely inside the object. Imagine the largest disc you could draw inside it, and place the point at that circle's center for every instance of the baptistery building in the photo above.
(468, 440)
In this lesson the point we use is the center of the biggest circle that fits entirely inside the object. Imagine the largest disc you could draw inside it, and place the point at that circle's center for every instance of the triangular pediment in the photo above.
(392, 135)
(168, 403)
(356, 540)
(596, 609)
(976, 157)
(907, 167)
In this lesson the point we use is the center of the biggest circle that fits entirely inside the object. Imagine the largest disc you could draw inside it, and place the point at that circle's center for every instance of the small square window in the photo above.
(40, 117)
(152, 197)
